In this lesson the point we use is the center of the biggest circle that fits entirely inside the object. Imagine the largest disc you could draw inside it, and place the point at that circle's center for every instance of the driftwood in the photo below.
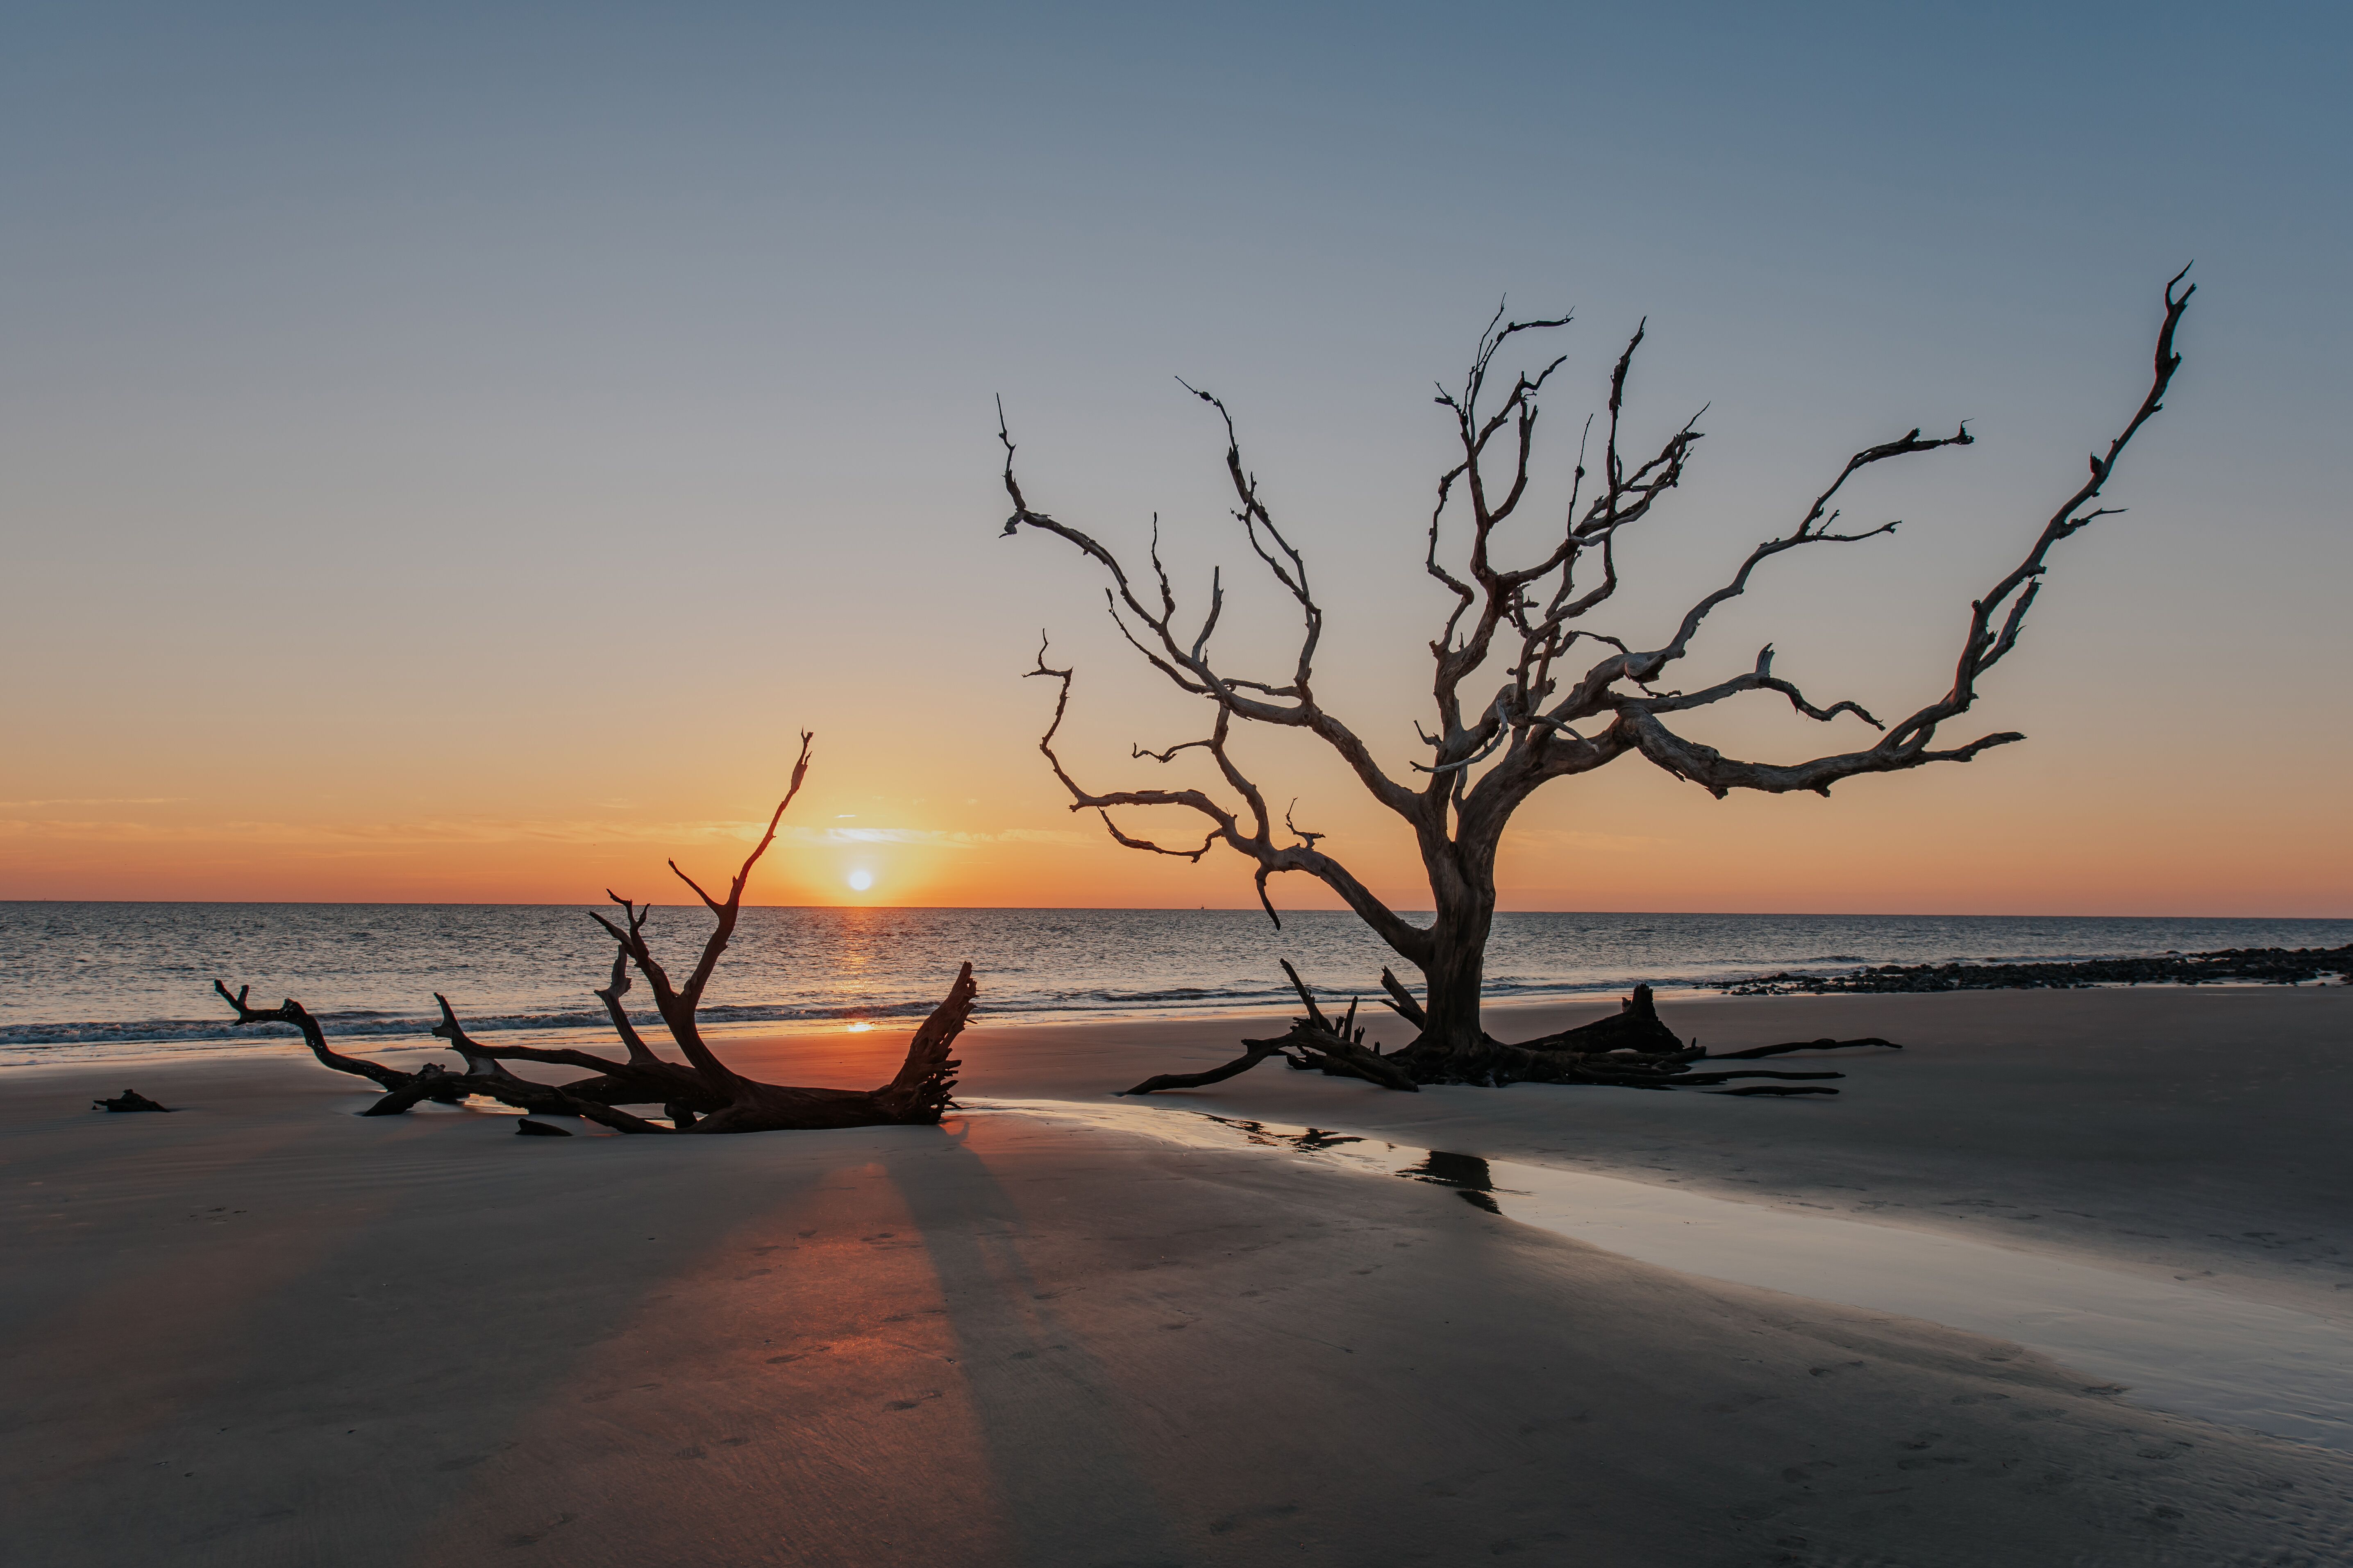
(1528, 686)
(701, 1094)
(129, 1100)
(1757, 1052)
(1635, 1026)
(1314, 1044)
(1254, 1052)
(1632, 1049)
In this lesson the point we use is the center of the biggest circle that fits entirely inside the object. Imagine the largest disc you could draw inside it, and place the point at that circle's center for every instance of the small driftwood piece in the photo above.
(130, 1100)
(1401, 1001)
(701, 1094)
(1253, 1053)
(1756, 1053)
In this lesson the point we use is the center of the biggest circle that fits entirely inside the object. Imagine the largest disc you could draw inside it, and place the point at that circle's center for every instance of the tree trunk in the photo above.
(1632, 1048)
(1546, 721)
(1452, 1046)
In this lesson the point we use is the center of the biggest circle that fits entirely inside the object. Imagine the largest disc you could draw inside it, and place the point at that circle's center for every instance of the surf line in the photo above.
(2190, 1350)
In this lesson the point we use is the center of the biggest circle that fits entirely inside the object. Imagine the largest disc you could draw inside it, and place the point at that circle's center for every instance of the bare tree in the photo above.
(702, 1094)
(1554, 715)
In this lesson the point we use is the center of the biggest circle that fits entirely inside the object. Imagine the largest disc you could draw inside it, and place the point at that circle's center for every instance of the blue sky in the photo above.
(501, 398)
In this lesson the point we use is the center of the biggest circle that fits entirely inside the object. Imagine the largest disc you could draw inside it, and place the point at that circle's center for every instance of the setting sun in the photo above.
(861, 879)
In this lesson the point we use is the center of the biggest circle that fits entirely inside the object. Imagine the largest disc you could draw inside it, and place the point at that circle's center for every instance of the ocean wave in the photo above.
(98, 978)
(363, 1026)
(359, 1026)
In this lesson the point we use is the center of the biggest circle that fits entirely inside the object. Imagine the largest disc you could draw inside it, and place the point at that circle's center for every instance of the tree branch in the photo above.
(1254, 840)
(1983, 645)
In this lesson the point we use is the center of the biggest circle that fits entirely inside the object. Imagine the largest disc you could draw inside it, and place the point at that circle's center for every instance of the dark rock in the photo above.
(2242, 966)
(530, 1129)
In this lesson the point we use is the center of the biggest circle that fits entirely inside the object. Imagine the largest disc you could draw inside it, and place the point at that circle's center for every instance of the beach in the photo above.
(263, 1332)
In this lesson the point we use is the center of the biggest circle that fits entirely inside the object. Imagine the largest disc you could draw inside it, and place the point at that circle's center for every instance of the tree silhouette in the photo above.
(1571, 698)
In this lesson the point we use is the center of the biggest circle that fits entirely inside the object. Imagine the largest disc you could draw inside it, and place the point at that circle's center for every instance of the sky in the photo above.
(448, 453)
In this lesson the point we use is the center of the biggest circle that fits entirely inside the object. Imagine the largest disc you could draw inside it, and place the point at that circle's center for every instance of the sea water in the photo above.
(83, 979)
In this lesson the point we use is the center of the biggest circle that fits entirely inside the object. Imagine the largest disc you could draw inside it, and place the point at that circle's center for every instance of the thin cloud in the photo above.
(490, 830)
(935, 838)
(415, 833)
(1579, 839)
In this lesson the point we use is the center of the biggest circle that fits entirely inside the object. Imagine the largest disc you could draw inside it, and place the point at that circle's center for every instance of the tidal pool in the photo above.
(2191, 1350)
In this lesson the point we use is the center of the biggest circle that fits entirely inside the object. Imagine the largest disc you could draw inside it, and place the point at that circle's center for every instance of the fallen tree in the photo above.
(1568, 698)
(701, 1094)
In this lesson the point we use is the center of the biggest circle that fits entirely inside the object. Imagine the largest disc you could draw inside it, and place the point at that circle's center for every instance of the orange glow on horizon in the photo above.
(1997, 836)
(1862, 855)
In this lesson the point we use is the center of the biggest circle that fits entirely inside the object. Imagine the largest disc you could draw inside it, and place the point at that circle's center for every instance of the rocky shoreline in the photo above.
(2235, 966)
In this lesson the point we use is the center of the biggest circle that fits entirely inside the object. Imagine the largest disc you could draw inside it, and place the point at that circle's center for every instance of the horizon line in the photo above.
(1168, 909)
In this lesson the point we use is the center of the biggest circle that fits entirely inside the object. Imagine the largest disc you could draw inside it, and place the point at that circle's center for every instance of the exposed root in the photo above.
(1314, 1044)
(1632, 1049)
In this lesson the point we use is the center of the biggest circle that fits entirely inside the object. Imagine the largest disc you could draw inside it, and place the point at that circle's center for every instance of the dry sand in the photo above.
(262, 1331)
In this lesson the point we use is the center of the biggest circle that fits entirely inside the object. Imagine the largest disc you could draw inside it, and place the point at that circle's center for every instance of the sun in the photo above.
(861, 879)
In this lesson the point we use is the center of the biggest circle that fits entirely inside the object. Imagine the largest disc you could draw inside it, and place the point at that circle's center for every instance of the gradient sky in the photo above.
(445, 452)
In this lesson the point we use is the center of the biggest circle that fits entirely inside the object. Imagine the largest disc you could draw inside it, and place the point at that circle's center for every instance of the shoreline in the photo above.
(1543, 1004)
(133, 984)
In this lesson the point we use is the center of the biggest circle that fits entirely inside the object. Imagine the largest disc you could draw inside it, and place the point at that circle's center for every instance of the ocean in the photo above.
(81, 981)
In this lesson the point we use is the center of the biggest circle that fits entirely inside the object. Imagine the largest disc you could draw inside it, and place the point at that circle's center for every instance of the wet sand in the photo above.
(2198, 1133)
(262, 1331)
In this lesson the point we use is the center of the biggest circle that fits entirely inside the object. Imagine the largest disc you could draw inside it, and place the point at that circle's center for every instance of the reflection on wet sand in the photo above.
(1467, 1174)
(2193, 1350)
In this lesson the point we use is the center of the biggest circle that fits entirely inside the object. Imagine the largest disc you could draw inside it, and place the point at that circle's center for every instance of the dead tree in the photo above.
(1554, 715)
(701, 1094)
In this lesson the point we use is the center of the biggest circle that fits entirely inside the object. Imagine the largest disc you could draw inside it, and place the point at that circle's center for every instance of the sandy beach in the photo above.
(263, 1332)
